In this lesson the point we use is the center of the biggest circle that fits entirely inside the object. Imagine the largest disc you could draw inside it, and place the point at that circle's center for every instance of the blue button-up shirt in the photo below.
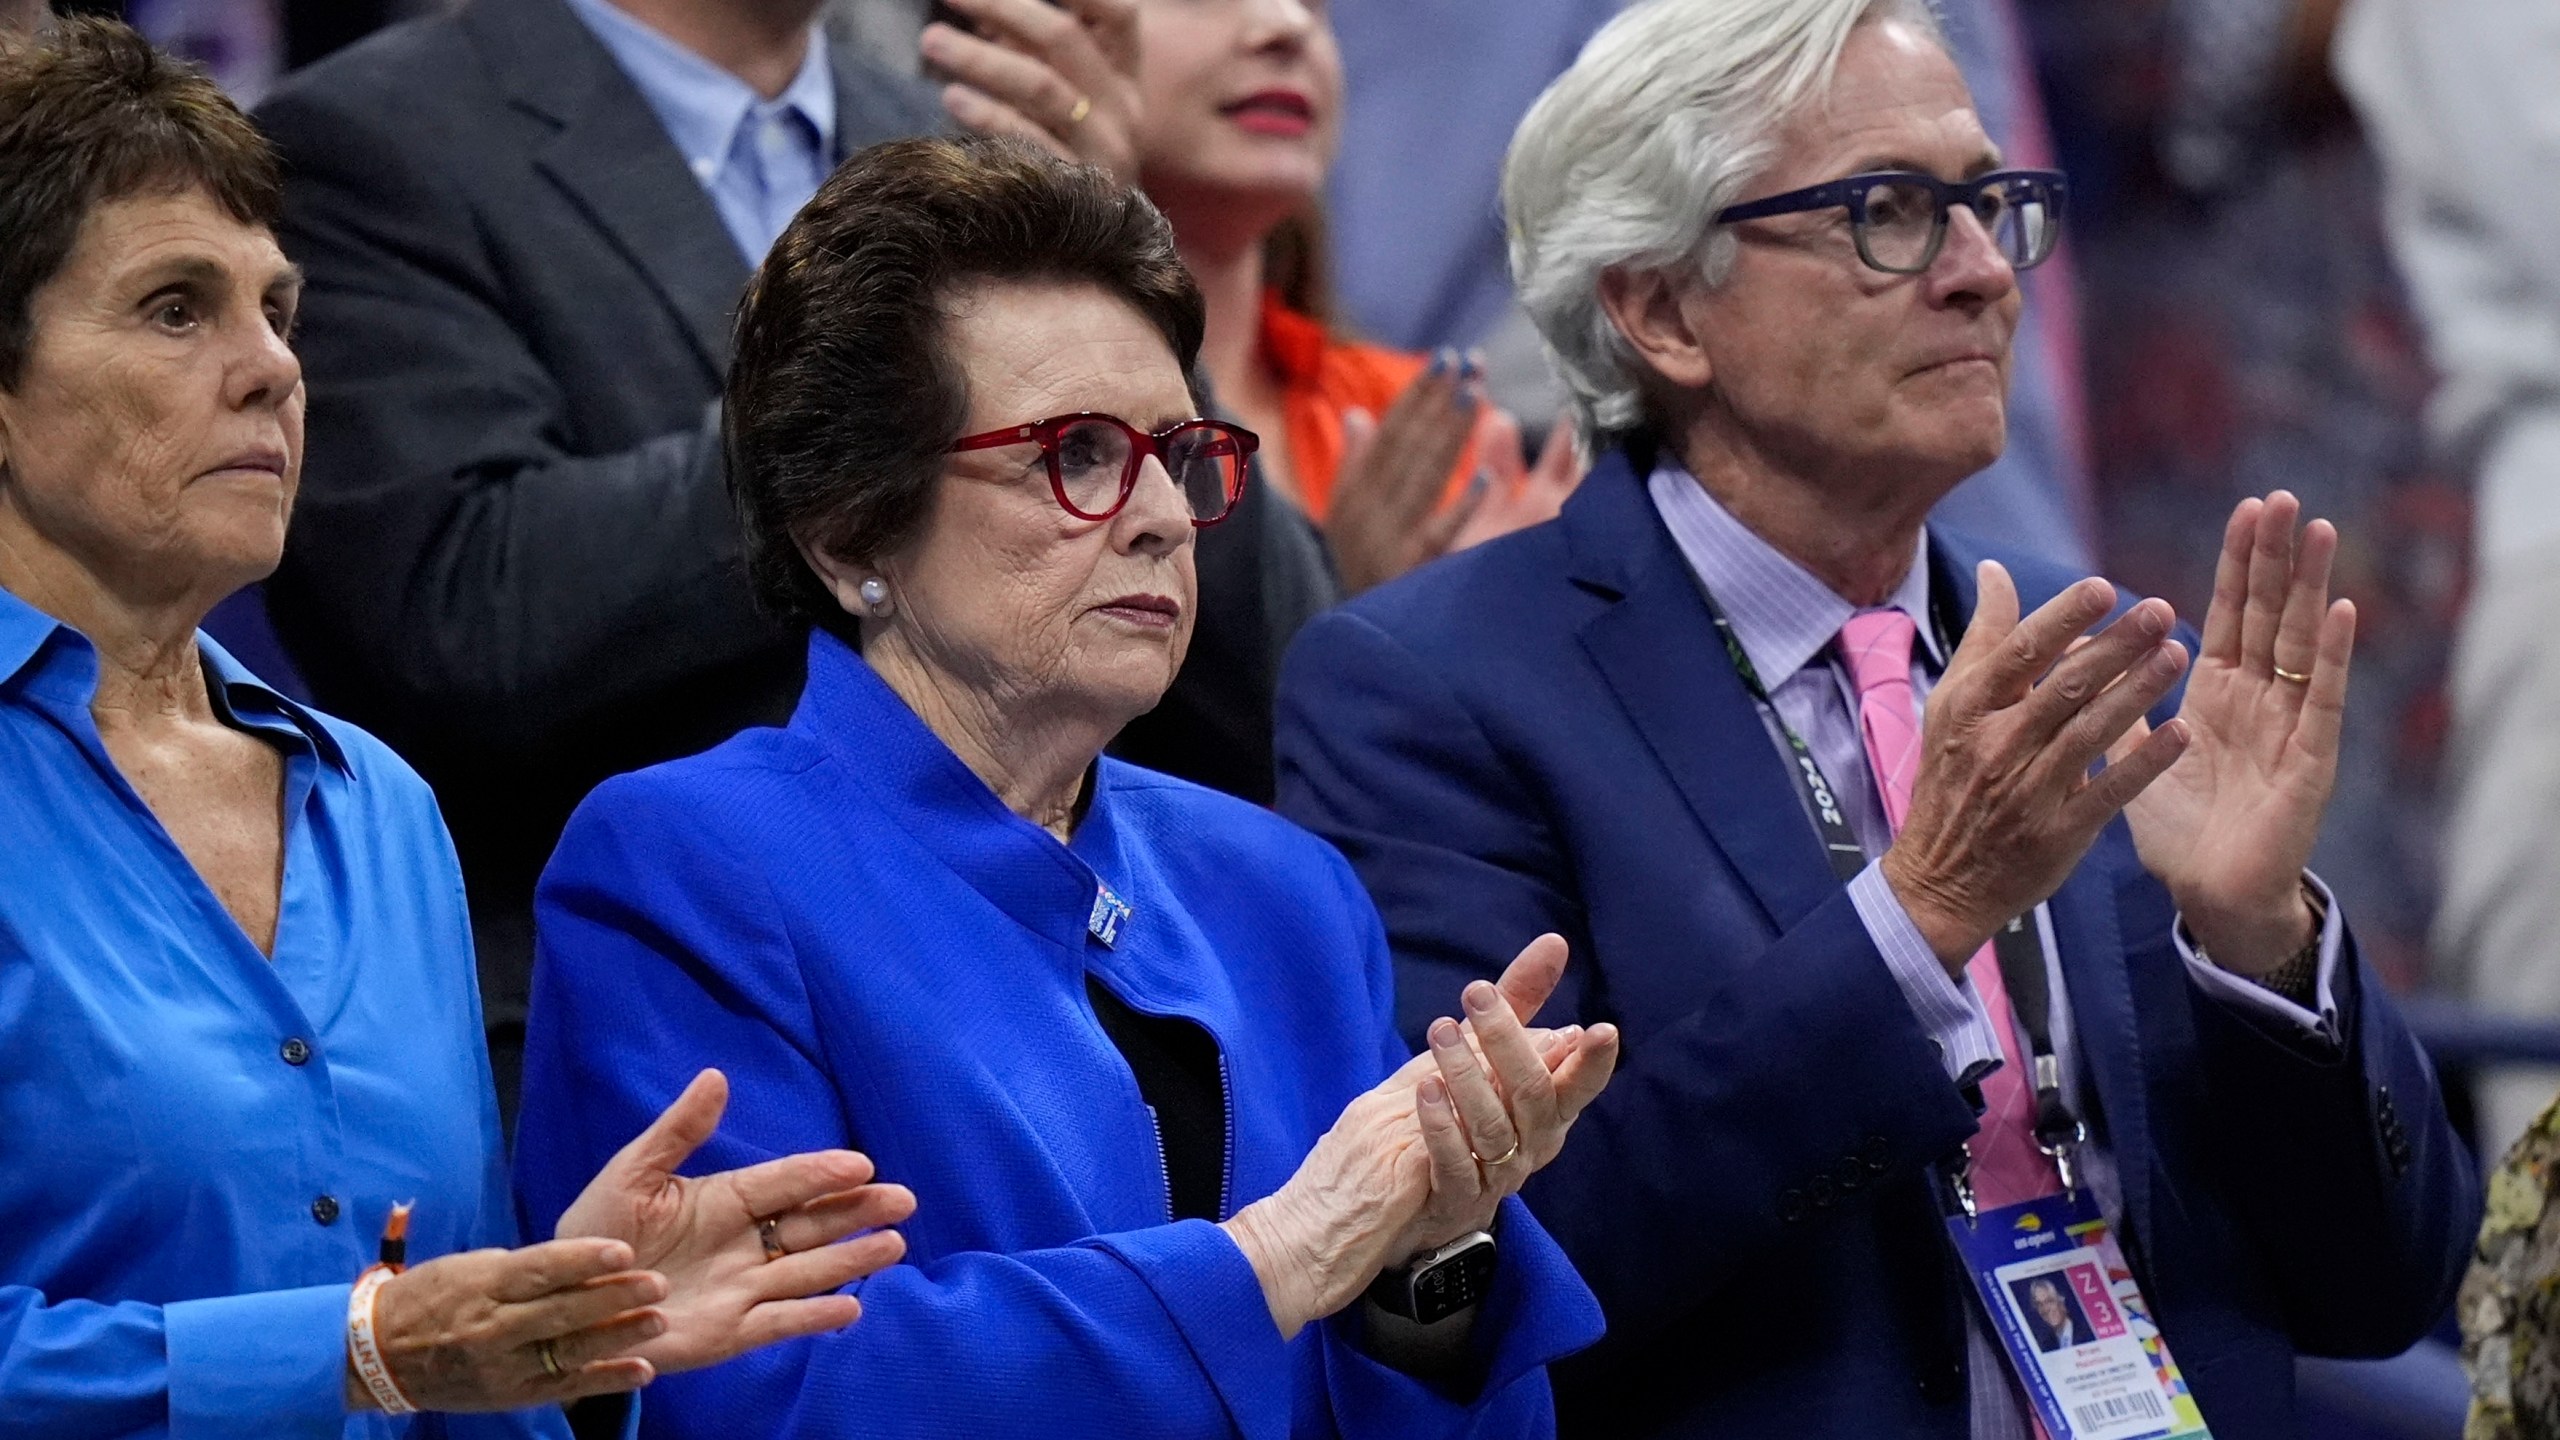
(760, 160)
(1785, 620)
(201, 1143)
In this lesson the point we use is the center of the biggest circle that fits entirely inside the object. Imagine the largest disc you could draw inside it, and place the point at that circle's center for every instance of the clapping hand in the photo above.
(1063, 76)
(2003, 804)
(749, 1256)
(1385, 516)
(1518, 494)
(2229, 827)
(1501, 1097)
(1403, 1170)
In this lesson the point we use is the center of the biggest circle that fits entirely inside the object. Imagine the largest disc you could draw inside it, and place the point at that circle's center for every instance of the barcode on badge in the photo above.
(2136, 1406)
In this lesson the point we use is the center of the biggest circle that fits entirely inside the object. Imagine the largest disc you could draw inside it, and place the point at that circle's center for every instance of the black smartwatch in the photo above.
(1437, 1284)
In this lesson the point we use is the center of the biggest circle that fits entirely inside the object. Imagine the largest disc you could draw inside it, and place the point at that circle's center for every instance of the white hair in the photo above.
(1624, 161)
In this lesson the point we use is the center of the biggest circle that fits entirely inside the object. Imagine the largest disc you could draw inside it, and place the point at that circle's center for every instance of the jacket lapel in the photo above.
(612, 157)
(1657, 649)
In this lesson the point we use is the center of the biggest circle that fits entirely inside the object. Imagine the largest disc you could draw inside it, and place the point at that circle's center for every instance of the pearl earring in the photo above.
(875, 594)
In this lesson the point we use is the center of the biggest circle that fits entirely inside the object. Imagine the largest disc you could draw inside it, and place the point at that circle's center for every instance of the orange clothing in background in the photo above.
(1320, 378)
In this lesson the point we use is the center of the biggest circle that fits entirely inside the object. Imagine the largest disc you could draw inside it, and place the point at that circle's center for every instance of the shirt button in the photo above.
(296, 1051)
(325, 1209)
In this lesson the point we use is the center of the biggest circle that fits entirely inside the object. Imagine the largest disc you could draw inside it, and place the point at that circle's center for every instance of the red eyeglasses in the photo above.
(1094, 460)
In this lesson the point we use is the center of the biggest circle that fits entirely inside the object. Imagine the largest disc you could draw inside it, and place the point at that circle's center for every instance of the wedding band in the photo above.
(550, 1361)
(767, 1231)
(1502, 1159)
(1084, 107)
(2284, 674)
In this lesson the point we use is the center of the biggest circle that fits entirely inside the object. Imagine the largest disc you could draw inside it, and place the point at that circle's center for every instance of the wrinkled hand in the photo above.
(463, 1333)
(1498, 1108)
(2230, 827)
(1394, 1176)
(1518, 496)
(2003, 806)
(723, 1295)
(1034, 64)
(1385, 515)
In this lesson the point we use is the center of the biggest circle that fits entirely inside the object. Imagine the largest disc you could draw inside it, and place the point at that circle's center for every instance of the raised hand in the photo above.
(2229, 828)
(750, 1256)
(506, 1329)
(1395, 1175)
(1517, 494)
(1500, 1103)
(1385, 516)
(1063, 76)
(2003, 806)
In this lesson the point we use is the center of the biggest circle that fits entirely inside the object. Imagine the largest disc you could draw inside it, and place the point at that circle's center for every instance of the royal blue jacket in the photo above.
(882, 956)
(1545, 734)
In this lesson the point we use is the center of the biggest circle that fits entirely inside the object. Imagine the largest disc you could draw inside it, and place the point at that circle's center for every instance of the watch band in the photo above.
(2298, 978)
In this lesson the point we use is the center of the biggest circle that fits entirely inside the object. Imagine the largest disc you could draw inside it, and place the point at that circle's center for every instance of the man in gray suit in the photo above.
(526, 223)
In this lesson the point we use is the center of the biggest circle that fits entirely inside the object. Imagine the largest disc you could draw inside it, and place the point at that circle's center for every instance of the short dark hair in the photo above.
(91, 114)
(843, 397)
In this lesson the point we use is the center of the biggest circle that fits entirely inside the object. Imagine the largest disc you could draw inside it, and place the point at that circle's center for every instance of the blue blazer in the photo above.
(882, 956)
(1545, 734)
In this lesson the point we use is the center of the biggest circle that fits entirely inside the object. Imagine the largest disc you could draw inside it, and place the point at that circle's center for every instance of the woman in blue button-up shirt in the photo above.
(1127, 1038)
(237, 1014)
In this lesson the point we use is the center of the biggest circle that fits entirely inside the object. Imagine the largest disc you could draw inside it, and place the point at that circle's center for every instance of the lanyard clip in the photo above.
(2059, 1133)
(1959, 1178)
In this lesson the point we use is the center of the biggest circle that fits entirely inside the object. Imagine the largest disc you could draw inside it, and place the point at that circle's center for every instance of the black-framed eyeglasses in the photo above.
(1899, 217)
(1094, 460)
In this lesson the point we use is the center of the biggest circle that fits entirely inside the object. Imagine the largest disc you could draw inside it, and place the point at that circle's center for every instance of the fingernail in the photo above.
(2164, 661)
(1444, 1032)
(2155, 619)
(1479, 998)
(1433, 1091)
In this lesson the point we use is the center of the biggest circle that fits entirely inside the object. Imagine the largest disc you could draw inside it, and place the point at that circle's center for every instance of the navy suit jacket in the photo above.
(1544, 734)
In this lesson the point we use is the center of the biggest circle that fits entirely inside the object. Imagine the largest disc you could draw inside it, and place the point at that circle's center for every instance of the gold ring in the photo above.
(1084, 107)
(767, 1232)
(550, 1361)
(1502, 1159)
(2284, 674)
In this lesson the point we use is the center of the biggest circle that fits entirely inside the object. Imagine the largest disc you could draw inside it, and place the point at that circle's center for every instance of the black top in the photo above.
(1179, 1077)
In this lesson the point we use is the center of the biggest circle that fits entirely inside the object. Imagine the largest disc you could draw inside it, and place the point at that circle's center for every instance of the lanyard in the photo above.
(2018, 947)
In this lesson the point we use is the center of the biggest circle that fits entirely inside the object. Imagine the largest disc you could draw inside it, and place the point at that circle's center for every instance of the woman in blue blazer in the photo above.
(1128, 1040)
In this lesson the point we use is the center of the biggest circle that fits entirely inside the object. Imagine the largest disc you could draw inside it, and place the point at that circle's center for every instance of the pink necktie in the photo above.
(2007, 1164)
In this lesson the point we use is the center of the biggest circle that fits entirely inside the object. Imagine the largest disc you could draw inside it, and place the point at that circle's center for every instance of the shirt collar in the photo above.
(242, 700)
(1783, 615)
(701, 104)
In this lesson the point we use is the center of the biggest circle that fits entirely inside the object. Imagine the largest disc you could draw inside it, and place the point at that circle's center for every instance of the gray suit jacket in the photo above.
(515, 556)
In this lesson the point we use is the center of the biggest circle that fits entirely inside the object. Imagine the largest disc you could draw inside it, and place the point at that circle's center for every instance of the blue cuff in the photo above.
(2248, 995)
(1951, 1013)
(1209, 1289)
(263, 1366)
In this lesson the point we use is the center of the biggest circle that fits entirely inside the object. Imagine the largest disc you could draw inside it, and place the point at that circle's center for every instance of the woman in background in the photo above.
(1397, 456)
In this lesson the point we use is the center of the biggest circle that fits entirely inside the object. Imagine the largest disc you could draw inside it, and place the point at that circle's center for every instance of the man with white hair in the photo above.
(1903, 985)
